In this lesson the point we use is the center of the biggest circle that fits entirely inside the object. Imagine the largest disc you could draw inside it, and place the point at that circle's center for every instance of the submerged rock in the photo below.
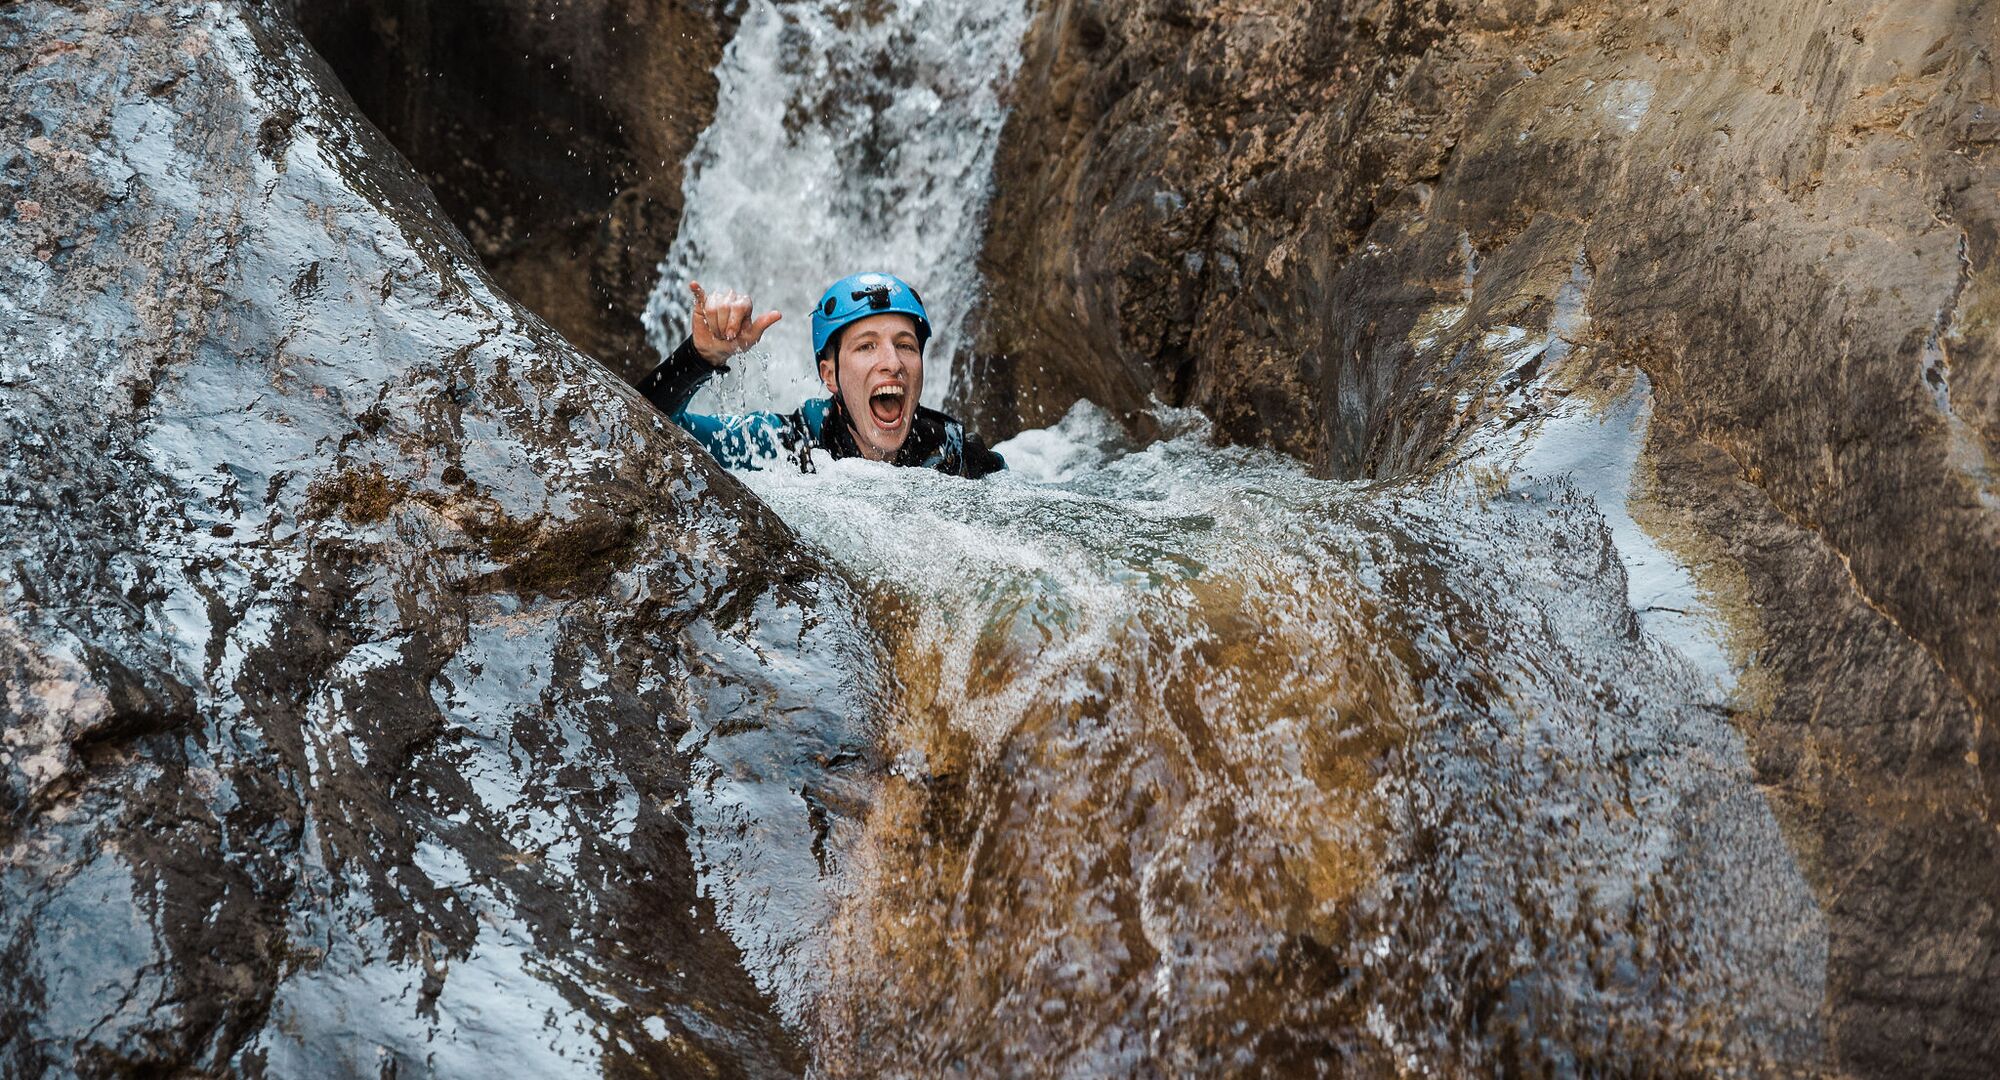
(1362, 233)
(345, 609)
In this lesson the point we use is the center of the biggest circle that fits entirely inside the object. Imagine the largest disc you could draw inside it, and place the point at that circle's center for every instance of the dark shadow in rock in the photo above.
(553, 136)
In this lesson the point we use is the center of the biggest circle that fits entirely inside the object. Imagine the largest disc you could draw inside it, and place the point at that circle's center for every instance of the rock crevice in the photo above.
(553, 135)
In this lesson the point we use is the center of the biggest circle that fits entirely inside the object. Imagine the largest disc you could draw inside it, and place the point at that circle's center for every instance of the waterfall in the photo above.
(852, 135)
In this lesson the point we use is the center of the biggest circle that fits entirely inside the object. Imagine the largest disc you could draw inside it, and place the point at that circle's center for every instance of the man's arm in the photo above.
(719, 329)
(980, 459)
(957, 451)
(741, 441)
(673, 384)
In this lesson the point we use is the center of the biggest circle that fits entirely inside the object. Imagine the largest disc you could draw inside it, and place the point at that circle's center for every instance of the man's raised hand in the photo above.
(722, 326)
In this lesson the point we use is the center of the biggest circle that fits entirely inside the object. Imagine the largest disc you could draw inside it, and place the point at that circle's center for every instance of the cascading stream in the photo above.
(1190, 762)
(1201, 764)
(848, 136)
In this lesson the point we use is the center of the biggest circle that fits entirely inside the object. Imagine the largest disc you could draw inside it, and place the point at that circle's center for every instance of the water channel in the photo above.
(1173, 759)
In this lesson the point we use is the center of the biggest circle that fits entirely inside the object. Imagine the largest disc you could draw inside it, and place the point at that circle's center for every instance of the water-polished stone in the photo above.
(552, 135)
(345, 609)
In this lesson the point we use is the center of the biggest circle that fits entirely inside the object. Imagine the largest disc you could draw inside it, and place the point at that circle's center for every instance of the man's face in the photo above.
(881, 376)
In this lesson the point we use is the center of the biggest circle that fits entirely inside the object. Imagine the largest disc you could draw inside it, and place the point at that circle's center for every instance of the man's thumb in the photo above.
(765, 322)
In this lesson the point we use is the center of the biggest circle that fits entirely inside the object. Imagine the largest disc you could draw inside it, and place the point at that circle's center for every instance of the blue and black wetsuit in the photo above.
(749, 440)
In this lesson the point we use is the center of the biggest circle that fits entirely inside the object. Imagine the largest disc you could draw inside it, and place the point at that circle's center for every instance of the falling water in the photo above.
(852, 135)
(1172, 759)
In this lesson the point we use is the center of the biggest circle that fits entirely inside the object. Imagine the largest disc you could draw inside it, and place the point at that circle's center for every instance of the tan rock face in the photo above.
(552, 132)
(1320, 223)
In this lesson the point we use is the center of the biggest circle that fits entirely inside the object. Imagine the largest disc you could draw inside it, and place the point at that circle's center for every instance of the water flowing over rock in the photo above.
(1372, 234)
(1204, 767)
(348, 615)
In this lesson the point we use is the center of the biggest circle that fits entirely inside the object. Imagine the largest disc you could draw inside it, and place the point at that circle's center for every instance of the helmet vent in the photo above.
(828, 308)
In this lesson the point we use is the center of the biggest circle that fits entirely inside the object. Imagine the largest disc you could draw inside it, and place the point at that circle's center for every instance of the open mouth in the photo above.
(887, 404)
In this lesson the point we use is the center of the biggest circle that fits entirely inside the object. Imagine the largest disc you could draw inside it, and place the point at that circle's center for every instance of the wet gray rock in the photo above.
(345, 610)
(1328, 225)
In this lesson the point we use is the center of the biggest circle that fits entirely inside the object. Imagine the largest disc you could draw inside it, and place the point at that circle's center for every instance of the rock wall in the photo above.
(345, 609)
(1332, 225)
(552, 132)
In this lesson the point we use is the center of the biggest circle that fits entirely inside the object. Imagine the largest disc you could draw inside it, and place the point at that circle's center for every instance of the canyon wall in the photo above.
(1357, 231)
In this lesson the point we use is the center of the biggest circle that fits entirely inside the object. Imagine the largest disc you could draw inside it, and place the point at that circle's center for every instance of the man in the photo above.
(869, 333)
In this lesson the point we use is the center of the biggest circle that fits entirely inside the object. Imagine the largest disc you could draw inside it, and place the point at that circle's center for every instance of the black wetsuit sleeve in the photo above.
(672, 385)
(980, 459)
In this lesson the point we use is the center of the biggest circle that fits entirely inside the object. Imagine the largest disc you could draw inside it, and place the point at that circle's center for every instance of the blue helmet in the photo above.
(858, 296)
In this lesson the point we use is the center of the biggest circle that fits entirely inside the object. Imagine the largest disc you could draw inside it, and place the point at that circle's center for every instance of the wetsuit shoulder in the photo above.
(940, 441)
(811, 418)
